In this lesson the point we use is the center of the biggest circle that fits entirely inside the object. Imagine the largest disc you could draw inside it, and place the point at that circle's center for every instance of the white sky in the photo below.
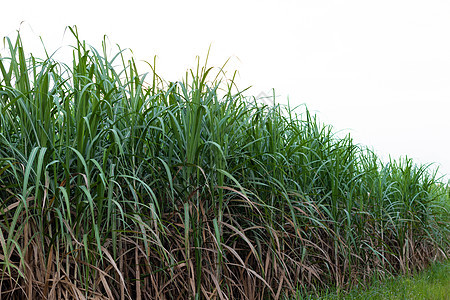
(379, 69)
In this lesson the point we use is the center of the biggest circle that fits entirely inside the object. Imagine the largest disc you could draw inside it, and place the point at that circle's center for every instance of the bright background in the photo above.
(378, 69)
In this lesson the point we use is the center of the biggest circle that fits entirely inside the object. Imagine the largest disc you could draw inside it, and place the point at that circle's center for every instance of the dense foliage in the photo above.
(119, 185)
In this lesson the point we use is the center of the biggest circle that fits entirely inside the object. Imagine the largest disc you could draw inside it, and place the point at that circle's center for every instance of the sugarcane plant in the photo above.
(116, 184)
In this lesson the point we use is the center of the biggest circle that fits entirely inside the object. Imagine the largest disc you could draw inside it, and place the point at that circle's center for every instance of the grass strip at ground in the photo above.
(432, 284)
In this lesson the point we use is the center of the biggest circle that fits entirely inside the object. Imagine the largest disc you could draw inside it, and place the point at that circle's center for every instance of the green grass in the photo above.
(117, 184)
(432, 284)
